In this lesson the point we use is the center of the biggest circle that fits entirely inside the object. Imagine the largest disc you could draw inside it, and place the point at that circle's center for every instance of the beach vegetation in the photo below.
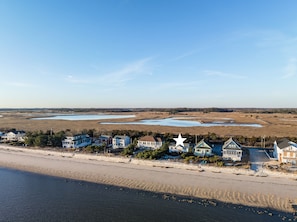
(94, 148)
(213, 160)
(154, 154)
(129, 150)
(41, 140)
(44, 139)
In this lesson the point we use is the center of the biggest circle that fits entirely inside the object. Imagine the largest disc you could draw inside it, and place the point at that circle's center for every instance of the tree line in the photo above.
(50, 138)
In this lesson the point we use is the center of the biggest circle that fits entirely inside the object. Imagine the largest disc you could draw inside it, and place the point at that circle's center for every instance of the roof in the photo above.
(76, 135)
(207, 144)
(17, 131)
(150, 139)
(283, 143)
(104, 136)
(120, 137)
(69, 133)
(231, 140)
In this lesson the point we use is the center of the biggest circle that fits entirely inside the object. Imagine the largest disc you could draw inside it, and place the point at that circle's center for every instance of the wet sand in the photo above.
(268, 190)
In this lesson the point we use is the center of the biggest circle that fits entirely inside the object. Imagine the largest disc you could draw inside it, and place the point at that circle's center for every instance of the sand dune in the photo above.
(275, 190)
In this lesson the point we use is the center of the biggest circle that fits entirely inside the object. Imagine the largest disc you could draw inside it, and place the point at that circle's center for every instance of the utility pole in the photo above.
(195, 139)
(263, 141)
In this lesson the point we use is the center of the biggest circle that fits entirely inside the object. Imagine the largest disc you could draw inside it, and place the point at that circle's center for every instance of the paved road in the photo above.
(257, 158)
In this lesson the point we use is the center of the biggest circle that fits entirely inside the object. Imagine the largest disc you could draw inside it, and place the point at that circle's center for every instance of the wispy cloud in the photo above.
(223, 74)
(267, 39)
(276, 39)
(128, 72)
(18, 84)
(184, 55)
(291, 68)
(76, 80)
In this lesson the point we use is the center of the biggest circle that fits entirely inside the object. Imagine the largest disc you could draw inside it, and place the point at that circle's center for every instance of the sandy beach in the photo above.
(265, 189)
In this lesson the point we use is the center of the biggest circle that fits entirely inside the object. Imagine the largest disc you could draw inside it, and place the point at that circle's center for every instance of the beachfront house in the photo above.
(14, 136)
(103, 140)
(120, 142)
(285, 151)
(179, 146)
(232, 150)
(173, 148)
(77, 141)
(149, 142)
(1, 134)
(203, 148)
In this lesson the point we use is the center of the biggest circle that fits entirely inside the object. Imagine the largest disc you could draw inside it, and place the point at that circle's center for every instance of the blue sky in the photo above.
(148, 53)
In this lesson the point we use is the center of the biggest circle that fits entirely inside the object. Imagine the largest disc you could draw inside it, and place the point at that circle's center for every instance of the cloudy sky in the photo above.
(148, 53)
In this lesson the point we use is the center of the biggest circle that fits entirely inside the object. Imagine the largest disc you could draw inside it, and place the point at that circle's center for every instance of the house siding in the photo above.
(232, 150)
(203, 149)
(287, 153)
(120, 142)
(149, 142)
(77, 141)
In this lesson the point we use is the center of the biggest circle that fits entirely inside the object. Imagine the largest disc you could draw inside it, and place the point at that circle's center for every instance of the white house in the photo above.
(285, 151)
(77, 141)
(14, 136)
(232, 150)
(173, 148)
(120, 141)
(179, 146)
(203, 148)
(150, 142)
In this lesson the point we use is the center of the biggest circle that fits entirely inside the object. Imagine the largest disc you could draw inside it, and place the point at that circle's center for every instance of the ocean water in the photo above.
(33, 197)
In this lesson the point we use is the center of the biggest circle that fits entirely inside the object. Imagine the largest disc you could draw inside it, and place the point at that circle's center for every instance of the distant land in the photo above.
(171, 110)
(275, 123)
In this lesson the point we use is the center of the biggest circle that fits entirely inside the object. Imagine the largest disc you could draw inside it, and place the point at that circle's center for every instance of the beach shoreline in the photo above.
(230, 185)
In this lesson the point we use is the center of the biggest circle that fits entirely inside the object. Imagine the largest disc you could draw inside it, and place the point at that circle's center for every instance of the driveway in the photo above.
(257, 158)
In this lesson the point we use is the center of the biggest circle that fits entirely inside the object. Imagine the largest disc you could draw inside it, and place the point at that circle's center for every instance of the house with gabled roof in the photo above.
(285, 151)
(203, 148)
(232, 150)
(149, 142)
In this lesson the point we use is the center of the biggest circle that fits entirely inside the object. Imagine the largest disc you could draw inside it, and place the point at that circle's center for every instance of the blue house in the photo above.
(203, 148)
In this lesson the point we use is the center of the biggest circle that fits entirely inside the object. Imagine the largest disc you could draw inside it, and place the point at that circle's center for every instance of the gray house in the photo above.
(232, 150)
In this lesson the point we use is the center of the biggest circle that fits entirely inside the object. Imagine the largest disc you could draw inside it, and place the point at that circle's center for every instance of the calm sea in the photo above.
(32, 197)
